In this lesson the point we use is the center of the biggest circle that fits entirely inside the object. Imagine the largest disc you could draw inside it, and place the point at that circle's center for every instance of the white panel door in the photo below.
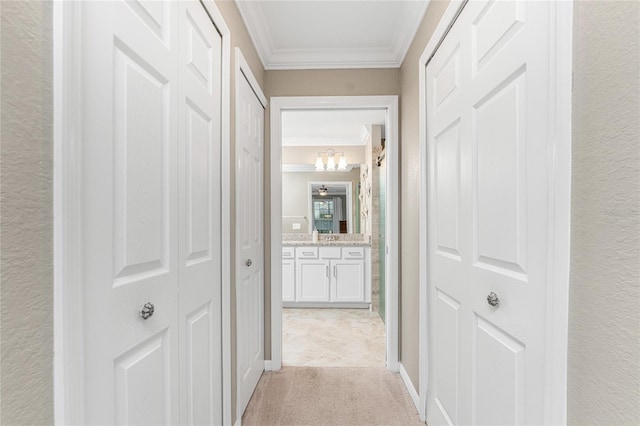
(250, 217)
(130, 212)
(312, 281)
(151, 213)
(347, 284)
(199, 112)
(488, 148)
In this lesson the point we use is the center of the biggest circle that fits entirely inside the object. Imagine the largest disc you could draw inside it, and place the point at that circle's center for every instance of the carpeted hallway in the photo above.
(306, 396)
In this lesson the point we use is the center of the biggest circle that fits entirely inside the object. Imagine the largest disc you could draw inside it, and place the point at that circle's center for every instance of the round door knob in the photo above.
(493, 299)
(147, 310)
(249, 262)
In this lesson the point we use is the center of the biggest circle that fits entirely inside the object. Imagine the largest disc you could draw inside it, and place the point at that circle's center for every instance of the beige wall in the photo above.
(239, 38)
(26, 212)
(410, 188)
(604, 301)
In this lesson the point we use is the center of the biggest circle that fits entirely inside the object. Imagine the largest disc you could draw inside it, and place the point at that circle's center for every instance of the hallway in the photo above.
(331, 396)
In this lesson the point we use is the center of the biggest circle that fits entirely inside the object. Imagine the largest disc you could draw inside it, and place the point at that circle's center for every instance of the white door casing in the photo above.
(250, 104)
(490, 142)
(134, 63)
(390, 104)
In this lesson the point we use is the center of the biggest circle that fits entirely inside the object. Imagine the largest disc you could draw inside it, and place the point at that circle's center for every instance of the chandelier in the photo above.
(331, 162)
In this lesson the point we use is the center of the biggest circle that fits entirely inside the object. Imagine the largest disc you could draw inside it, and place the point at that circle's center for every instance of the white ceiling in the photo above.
(330, 128)
(316, 34)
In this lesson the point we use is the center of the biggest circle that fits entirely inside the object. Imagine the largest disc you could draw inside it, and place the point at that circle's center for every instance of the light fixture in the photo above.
(342, 164)
(331, 161)
(322, 191)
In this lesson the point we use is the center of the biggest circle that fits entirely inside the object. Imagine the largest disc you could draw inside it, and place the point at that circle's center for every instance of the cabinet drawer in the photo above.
(288, 252)
(330, 252)
(353, 253)
(307, 252)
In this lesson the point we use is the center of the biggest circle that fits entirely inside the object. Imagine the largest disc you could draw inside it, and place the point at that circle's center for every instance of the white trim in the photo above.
(242, 66)
(390, 56)
(560, 218)
(225, 170)
(267, 365)
(349, 191)
(390, 103)
(242, 70)
(69, 401)
(68, 297)
(409, 385)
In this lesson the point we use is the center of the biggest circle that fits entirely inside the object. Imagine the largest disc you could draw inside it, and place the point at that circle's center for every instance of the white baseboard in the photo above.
(267, 365)
(410, 387)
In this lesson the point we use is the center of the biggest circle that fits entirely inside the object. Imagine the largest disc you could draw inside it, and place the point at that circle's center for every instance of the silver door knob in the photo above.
(147, 310)
(248, 262)
(493, 299)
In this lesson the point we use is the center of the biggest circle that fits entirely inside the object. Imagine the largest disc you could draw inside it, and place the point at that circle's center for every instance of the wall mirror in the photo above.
(330, 207)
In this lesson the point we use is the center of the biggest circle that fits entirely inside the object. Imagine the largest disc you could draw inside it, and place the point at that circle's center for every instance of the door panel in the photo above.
(288, 280)
(142, 383)
(199, 115)
(488, 147)
(250, 264)
(312, 281)
(151, 214)
(129, 214)
(348, 281)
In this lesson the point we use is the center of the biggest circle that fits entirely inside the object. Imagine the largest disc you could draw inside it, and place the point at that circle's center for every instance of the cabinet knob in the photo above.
(249, 262)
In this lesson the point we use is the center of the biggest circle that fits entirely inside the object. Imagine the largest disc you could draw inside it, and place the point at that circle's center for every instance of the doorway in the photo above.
(388, 104)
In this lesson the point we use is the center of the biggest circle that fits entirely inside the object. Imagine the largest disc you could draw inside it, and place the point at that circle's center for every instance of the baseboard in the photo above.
(267, 365)
(410, 387)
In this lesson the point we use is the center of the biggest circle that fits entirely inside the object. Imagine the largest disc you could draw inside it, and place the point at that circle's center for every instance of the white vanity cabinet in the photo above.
(327, 276)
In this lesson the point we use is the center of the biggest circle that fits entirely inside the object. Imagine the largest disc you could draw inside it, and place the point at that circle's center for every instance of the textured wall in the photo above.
(26, 248)
(604, 320)
(410, 188)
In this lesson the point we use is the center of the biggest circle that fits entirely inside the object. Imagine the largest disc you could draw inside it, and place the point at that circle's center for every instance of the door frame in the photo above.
(559, 215)
(279, 104)
(69, 403)
(349, 187)
(242, 70)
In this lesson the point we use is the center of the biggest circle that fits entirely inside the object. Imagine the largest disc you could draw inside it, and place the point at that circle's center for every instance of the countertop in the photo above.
(325, 243)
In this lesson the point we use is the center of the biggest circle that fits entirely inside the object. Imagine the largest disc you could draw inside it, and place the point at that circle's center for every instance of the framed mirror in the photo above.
(330, 207)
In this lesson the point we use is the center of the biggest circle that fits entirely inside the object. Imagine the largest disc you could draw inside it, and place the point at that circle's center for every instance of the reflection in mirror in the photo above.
(297, 210)
(330, 207)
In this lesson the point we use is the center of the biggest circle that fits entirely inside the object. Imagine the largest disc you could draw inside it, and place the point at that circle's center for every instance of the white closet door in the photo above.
(488, 102)
(151, 213)
(250, 217)
(199, 136)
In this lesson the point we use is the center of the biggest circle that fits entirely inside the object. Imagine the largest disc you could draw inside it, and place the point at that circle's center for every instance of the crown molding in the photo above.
(273, 58)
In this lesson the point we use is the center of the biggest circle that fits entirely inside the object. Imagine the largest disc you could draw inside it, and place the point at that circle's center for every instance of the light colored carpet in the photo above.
(332, 338)
(309, 396)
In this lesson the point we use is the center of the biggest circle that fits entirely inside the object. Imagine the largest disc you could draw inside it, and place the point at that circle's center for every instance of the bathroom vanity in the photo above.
(329, 274)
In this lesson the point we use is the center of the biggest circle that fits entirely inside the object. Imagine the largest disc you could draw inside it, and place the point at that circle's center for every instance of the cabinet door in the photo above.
(312, 281)
(288, 280)
(347, 284)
